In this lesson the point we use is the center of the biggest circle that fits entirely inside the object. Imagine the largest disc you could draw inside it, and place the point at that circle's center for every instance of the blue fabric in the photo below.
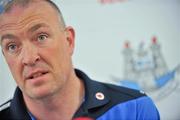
(138, 109)
(32, 117)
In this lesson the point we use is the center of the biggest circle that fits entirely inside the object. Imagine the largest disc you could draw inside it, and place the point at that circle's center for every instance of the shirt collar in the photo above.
(95, 93)
(17, 107)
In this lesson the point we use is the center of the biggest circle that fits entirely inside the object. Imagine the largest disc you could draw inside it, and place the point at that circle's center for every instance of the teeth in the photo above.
(37, 75)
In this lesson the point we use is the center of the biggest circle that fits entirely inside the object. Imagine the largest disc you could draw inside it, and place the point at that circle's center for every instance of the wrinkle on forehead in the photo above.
(19, 24)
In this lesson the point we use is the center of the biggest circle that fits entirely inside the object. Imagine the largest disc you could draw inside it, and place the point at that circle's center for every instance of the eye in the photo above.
(12, 47)
(42, 37)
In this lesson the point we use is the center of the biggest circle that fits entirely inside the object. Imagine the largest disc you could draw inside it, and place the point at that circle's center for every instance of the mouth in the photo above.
(36, 75)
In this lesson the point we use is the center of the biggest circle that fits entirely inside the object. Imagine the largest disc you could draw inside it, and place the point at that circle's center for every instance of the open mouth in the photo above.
(36, 75)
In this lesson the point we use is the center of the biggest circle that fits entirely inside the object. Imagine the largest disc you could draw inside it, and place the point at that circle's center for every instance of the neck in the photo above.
(61, 106)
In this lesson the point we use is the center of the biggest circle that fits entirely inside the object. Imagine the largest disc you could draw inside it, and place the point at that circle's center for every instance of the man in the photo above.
(38, 47)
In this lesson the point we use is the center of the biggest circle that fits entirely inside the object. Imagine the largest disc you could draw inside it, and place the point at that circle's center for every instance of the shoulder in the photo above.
(128, 100)
(4, 109)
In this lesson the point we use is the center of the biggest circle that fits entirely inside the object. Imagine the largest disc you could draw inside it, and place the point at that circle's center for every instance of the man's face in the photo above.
(37, 49)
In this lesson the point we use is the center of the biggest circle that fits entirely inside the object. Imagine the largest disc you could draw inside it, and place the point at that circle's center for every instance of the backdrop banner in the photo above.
(132, 43)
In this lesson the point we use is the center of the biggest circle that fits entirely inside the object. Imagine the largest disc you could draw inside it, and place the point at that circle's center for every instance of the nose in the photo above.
(29, 55)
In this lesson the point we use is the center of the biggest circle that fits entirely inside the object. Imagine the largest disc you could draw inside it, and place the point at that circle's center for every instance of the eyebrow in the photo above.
(36, 27)
(6, 36)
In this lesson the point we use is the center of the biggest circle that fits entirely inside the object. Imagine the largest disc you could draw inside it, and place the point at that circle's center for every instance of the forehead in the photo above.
(19, 15)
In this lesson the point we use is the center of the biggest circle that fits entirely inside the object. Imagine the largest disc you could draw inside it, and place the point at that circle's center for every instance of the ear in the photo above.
(70, 36)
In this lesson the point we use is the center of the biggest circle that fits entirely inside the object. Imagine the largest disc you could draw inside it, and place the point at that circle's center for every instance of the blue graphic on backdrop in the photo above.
(147, 70)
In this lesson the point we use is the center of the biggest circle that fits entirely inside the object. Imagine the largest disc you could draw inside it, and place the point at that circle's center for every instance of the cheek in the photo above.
(16, 70)
(56, 57)
(11, 62)
(14, 66)
(55, 53)
(52, 57)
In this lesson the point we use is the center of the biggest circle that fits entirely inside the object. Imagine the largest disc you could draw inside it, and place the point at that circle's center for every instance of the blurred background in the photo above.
(133, 43)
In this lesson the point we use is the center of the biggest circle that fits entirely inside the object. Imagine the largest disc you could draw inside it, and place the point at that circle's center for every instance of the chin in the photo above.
(41, 94)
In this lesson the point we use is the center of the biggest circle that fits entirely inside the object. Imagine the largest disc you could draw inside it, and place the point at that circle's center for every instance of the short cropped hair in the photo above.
(7, 5)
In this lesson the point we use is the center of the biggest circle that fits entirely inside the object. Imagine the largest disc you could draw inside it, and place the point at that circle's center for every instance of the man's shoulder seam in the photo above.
(125, 91)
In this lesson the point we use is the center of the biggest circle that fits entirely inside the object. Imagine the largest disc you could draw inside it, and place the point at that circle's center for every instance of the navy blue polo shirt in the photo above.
(102, 102)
